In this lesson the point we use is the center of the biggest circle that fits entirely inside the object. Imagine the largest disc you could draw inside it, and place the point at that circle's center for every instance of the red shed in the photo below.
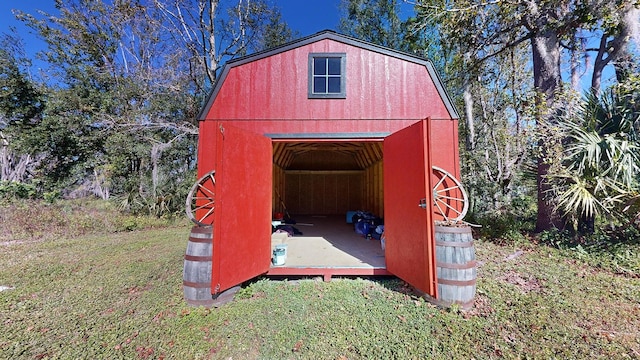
(319, 128)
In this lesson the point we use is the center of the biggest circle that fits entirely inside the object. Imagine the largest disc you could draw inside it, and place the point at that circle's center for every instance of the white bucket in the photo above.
(279, 255)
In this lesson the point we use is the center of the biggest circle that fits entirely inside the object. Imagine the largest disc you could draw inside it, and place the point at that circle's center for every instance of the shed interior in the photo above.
(328, 177)
(318, 183)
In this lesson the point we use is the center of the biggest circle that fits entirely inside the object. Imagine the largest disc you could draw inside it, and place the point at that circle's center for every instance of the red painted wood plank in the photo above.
(378, 87)
(409, 252)
(242, 227)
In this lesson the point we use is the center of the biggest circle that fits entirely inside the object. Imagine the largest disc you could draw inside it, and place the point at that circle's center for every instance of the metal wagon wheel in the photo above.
(200, 204)
(449, 197)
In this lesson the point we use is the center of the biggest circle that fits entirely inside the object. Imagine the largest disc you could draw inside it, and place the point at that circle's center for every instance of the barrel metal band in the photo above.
(197, 258)
(202, 229)
(196, 285)
(455, 244)
(453, 230)
(457, 282)
(468, 265)
(201, 235)
(200, 240)
(200, 302)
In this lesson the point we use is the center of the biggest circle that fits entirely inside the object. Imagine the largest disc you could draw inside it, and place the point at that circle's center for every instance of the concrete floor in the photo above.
(328, 241)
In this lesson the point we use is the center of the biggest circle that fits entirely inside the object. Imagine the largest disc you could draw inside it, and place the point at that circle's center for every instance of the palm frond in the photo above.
(578, 199)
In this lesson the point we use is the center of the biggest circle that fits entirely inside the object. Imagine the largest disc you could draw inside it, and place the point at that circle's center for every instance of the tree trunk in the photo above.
(468, 111)
(599, 64)
(547, 79)
(575, 65)
(615, 48)
(13, 166)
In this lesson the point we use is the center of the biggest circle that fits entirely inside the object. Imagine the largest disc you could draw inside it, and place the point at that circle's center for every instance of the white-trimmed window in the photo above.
(327, 75)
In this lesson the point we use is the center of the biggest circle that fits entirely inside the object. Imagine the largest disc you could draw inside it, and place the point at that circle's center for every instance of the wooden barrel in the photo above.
(196, 279)
(456, 266)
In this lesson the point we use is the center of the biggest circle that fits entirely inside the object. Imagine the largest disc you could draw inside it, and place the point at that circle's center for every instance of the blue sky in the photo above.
(306, 17)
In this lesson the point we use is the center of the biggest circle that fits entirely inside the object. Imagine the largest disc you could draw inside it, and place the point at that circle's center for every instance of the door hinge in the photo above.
(423, 203)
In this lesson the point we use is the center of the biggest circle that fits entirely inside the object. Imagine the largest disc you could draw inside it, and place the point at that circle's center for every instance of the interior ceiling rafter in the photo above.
(364, 153)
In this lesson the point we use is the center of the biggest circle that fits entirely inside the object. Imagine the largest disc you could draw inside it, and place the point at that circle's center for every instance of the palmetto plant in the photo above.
(599, 165)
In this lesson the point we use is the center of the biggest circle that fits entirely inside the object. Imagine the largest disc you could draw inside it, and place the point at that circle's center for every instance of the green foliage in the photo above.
(389, 24)
(17, 190)
(14, 191)
(277, 32)
(504, 228)
(168, 200)
(20, 101)
(480, 35)
(375, 21)
(612, 249)
(21, 105)
(597, 170)
(491, 87)
(124, 93)
(51, 196)
(115, 115)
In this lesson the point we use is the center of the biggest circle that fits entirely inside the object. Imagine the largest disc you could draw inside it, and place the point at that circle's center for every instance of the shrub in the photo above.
(612, 249)
(502, 227)
(17, 190)
(29, 219)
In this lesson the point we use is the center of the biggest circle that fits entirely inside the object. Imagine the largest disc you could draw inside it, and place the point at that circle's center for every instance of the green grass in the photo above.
(119, 295)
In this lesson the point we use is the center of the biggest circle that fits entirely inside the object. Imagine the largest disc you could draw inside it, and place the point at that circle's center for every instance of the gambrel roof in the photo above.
(336, 37)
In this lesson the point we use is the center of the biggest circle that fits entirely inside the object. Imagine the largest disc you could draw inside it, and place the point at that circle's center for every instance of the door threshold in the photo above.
(328, 272)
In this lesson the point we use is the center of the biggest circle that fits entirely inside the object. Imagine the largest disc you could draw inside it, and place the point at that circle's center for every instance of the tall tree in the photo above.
(491, 84)
(128, 81)
(497, 26)
(213, 31)
(502, 145)
(620, 25)
(375, 21)
(21, 105)
(493, 92)
(276, 32)
(386, 23)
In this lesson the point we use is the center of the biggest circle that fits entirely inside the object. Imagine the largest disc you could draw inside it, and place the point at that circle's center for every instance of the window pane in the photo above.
(334, 66)
(319, 85)
(334, 85)
(319, 66)
(326, 76)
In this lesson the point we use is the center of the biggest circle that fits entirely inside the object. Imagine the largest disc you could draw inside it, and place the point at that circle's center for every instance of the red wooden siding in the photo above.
(379, 87)
(384, 94)
(410, 250)
(242, 225)
(443, 141)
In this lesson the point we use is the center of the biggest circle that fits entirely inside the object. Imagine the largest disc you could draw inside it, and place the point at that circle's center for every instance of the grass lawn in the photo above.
(119, 295)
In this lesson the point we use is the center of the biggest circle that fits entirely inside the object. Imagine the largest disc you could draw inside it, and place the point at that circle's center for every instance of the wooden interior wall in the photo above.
(323, 192)
(278, 189)
(374, 189)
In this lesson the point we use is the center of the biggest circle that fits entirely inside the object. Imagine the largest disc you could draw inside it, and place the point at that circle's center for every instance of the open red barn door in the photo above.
(408, 199)
(242, 226)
